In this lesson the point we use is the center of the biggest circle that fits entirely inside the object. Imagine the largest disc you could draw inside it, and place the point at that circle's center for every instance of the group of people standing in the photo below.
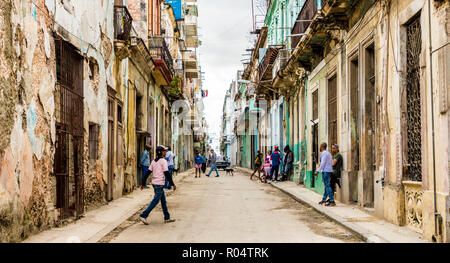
(161, 169)
(272, 163)
(330, 168)
(145, 162)
(201, 162)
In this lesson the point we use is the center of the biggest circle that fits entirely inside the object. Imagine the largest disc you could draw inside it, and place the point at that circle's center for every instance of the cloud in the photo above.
(223, 29)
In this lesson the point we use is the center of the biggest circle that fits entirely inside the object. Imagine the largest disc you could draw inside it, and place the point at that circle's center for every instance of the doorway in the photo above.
(355, 128)
(69, 157)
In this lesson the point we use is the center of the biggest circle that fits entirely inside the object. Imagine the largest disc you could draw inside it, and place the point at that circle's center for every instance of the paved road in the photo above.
(231, 209)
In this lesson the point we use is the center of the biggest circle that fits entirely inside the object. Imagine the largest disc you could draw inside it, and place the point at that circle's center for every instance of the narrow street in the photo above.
(230, 209)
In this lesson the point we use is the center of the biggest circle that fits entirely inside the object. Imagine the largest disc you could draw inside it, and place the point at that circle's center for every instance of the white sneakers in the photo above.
(143, 220)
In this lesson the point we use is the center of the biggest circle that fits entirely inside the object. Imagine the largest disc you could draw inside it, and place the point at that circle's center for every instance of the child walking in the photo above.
(198, 164)
(267, 168)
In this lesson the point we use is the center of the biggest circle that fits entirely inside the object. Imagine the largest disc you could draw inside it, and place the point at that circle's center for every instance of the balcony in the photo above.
(122, 23)
(190, 59)
(265, 68)
(122, 31)
(309, 10)
(163, 60)
(281, 61)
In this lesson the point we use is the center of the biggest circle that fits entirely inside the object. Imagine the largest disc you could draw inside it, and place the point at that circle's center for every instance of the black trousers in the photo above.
(274, 170)
(334, 180)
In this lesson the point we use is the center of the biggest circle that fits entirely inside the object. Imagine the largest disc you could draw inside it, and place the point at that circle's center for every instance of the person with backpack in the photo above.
(204, 163)
(159, 169)
(257, 165)
(275, 157)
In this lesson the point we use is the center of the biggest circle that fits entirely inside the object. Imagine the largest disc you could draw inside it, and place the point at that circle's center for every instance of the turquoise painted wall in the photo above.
(318, 184)
(280, 19)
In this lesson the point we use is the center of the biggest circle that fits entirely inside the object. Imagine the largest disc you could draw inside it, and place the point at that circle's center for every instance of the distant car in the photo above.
(222, 163)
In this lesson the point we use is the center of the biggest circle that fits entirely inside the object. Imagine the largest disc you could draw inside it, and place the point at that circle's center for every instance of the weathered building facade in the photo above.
(84, 87)
(372, 77)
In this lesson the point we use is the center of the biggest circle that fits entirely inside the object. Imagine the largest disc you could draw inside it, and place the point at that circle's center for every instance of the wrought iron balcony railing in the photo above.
(304, 18)
(122, 23)
(159, 50)
(266, 65)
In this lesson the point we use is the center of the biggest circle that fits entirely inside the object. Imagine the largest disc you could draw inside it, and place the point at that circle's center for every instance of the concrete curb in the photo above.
(362, 233)
(139, 201)
(110, 227)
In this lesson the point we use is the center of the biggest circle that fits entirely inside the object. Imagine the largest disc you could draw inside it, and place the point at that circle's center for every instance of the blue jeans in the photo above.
(167, 184)
(159, 195)
(326, 177)
(213, 166)
(274, 172)
(144, 177)
(287, 169)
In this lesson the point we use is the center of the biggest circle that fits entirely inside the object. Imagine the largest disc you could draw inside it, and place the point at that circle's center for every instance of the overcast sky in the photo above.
(224, 28)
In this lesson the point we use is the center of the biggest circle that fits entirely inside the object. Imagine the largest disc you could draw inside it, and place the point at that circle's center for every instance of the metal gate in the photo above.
(413, 102)
(68, 164)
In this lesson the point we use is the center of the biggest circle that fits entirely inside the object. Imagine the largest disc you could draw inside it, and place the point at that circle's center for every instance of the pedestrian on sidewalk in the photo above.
(212, 161)
(257, 165)
(267, 168)
(337, 167)
(275, 158)
(160, 170)
(144, 163)
(170, 158)
(326, 168)
(288, 161)
(204, 163)
(198, 164)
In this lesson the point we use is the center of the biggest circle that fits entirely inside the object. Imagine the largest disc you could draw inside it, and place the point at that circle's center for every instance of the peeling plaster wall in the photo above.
(27, 105)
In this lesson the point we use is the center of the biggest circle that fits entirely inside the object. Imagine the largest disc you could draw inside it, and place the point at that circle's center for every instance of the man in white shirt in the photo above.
(326, 168)
(170, 158)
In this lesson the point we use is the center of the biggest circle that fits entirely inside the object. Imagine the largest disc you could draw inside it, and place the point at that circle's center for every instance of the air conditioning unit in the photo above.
(281, 61)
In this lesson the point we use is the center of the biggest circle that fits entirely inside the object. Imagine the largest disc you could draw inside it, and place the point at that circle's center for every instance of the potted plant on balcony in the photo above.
(175, 88)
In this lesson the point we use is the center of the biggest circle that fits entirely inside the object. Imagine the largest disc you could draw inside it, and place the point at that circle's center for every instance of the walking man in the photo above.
(275, 157)
(170, 157)
(145, 163)
(257, 165)
(212, 162)
(160, 170)
(326, 168)
(337, 167)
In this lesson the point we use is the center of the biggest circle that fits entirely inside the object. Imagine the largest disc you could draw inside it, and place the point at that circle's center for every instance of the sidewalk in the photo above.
(371, 229)
(99, 222)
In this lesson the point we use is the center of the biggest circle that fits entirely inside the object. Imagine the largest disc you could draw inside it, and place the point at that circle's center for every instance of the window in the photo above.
(413, 100)
(93, 141)
(315, 105)
(332, 110)
(119, 114)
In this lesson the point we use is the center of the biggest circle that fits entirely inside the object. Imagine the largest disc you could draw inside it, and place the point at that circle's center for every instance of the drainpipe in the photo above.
(306, 125)
(437, 216)
(385, 92)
